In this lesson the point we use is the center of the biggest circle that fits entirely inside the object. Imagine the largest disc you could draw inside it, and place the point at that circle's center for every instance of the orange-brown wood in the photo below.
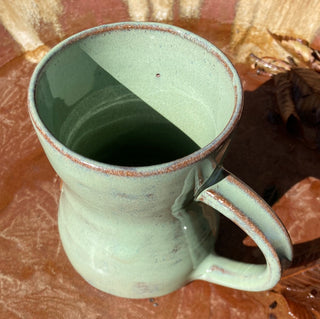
(36, 278)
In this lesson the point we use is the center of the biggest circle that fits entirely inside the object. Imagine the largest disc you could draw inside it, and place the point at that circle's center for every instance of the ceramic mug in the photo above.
(135, 118)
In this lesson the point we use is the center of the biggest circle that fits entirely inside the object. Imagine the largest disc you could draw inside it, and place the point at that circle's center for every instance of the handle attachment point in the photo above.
(235, 200)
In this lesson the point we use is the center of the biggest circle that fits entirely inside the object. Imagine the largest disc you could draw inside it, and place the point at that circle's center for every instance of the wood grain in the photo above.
(36, 278)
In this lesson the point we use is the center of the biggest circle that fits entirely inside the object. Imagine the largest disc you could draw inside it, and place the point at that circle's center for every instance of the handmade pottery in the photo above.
(136, 118)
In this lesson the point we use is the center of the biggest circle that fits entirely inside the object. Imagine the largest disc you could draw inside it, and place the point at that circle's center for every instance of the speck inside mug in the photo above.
(117, 92)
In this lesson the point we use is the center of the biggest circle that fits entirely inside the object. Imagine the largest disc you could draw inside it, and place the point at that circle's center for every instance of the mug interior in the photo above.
(147, 86)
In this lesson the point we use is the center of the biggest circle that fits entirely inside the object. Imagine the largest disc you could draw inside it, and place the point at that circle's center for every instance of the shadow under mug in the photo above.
(135, 118)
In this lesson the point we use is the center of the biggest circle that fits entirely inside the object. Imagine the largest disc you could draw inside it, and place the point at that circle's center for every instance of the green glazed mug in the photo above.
(135, 118)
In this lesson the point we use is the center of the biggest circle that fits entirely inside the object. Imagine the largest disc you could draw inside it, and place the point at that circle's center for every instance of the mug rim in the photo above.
(139, 170)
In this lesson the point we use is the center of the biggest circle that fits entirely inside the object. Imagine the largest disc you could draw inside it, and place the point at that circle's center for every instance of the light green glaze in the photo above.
(144, 231)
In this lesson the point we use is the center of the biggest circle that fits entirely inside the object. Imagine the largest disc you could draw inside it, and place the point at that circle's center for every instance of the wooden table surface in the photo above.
(36, 278)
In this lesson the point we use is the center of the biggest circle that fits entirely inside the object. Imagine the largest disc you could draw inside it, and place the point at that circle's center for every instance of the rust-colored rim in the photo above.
(144, 170)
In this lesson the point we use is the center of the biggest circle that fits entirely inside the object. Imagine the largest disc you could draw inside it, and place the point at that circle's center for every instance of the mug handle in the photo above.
(235, 200)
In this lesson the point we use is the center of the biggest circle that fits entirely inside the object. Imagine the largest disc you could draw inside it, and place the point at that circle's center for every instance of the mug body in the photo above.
(134, 118)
